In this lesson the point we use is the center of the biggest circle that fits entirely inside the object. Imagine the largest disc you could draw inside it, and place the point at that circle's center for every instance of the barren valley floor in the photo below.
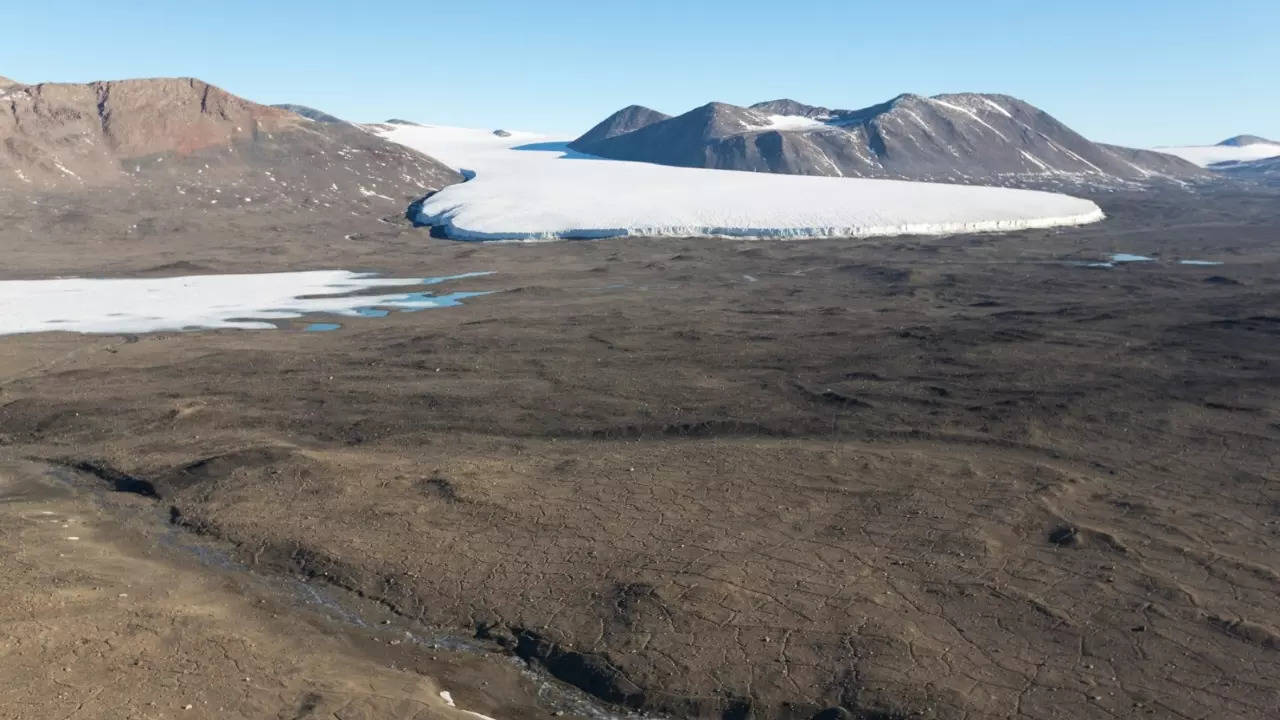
(963, 477)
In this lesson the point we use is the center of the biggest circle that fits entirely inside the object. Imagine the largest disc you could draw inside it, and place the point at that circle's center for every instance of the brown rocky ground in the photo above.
(99, 620)
(948, 478)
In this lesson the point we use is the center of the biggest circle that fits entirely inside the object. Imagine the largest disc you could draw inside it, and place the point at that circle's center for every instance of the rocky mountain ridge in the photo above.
(189, 134)
(967, 137)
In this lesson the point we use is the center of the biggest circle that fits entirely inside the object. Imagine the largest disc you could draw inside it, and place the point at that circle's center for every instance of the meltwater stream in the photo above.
(197, 302)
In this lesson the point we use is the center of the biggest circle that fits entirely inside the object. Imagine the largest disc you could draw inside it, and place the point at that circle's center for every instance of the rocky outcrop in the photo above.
(184, 131)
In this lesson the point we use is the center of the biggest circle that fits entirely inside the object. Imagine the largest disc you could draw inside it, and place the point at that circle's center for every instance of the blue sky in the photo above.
(1135, 72)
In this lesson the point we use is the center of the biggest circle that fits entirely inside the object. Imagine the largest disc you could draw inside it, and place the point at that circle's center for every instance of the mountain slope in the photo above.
(1266, 170)
(974, 138)
(178, 175)
(170, 132)
(628, 119)
(309, 113)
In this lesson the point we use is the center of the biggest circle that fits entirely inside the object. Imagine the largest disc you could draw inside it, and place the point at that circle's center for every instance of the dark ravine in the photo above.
(592, 673)
(119, 481)
(298, 571)
(134, 619)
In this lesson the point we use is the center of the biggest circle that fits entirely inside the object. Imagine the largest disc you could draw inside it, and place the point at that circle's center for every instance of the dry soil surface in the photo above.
(104, 617)
(961, 477)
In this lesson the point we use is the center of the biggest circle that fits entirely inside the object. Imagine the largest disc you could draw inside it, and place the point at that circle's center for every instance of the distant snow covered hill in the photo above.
(530, 187)
(965, 138)
(1239, 149)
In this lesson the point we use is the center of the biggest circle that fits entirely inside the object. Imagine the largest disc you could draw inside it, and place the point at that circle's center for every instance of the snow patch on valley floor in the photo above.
(140, 305)
(531, 187)
(447, 697)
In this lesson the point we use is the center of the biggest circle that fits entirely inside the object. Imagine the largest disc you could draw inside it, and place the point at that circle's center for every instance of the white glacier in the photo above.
(1208, 155)
(532, 187)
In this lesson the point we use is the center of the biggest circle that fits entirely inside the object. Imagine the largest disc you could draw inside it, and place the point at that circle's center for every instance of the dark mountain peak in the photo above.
(1242, 140)
(309, 113)
(786, 106)
(721, 118)
(639, 111)
(678, 140)
(398, 121)
(984, 138)
(628, 119)
(716, 108)
(907, 97)
(714, 119)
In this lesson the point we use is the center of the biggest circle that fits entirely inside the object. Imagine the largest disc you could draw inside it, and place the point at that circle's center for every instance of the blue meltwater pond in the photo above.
(206, 302)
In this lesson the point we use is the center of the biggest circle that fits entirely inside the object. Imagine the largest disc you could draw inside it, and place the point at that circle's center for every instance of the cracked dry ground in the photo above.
(951, 478)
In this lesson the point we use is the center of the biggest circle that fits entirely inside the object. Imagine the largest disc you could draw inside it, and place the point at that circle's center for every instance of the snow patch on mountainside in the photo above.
(1209, 155)
(530, 187)
(792, 122)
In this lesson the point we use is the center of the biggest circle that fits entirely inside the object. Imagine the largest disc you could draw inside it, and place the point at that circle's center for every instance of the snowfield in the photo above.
(140, 305)
(1208, 155)
(531, 187)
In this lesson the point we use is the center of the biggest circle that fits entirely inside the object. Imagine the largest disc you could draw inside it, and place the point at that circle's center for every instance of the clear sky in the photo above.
(1136, 72)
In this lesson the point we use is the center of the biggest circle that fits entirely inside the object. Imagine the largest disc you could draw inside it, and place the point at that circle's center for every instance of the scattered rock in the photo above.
(1065, 536)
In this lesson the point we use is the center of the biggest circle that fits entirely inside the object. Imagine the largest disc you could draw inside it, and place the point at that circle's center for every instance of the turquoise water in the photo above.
(406, 303)
(413, 302)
